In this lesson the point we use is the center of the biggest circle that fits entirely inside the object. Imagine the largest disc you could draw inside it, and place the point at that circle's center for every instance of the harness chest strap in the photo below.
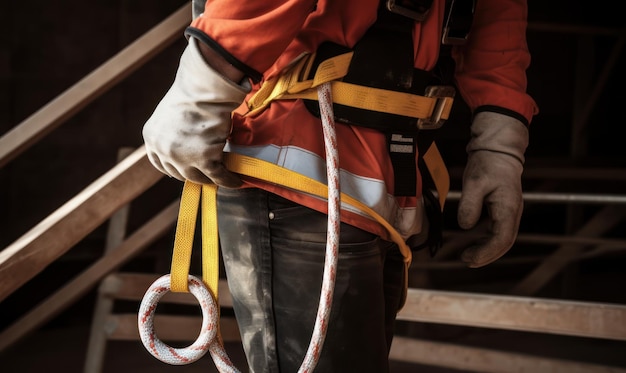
(290, 85)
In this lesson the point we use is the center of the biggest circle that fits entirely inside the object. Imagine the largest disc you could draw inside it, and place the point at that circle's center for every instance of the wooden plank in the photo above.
(471, 359)
(93, 85)
(584, 319)
(603, 246)
(552, 169)
(56, 234)
(72, 291)
(561, 198)
(574, 173)
(169, 328)
(602, 222)
(133, 286)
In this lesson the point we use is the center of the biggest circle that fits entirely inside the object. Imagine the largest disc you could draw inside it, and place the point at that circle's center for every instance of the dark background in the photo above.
(46, 47)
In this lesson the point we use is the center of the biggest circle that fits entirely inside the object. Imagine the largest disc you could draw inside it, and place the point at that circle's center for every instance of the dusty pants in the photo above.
(274, 252)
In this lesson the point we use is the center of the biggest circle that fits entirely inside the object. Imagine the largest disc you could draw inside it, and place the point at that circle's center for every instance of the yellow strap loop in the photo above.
(210, 243)
(184, 236)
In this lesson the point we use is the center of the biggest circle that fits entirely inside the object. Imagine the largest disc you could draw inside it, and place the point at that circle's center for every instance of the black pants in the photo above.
(274, 252)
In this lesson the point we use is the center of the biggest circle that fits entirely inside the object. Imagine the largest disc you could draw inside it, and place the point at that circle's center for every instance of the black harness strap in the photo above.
(383, 59)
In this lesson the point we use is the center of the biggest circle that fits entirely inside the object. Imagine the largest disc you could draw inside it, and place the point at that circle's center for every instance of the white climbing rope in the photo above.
(163, 352)
(207, 340)
(332, 236)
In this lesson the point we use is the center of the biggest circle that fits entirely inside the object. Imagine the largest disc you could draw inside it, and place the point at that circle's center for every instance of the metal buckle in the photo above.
(409, 9)
(446, 39)
(441, 93)
(460, 14)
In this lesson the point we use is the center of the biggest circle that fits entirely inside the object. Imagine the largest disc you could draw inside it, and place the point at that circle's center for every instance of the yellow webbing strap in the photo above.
(289, 85)
(256, 168)
(438, 172)
(270, 172)
(184, 237)
(382, 100)
(291, 82)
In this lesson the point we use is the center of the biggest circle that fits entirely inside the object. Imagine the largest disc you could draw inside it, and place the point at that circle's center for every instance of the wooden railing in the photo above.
(93, 85)
(58, 233)
(32, 252)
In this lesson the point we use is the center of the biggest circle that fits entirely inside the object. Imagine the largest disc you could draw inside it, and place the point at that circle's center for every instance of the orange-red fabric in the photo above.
(256, 32)
(490, 69)
(268, 35)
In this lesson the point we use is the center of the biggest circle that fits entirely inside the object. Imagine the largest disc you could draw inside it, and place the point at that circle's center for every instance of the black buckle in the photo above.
(416, 10)
(440, 93)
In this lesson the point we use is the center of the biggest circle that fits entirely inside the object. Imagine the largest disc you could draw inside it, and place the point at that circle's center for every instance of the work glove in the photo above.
(492, 177)
(186, 134)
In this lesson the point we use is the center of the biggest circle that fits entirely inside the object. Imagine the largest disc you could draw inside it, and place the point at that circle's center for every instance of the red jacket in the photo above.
(267, 35)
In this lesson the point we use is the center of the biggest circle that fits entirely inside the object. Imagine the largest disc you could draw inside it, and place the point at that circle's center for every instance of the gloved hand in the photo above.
(186, 134)
(492, 177)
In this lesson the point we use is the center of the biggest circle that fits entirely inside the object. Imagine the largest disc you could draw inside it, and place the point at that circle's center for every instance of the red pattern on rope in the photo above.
(332, 240)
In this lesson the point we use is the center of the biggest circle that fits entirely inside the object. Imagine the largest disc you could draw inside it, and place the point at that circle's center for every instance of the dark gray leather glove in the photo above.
(186, 134)
(492, 177)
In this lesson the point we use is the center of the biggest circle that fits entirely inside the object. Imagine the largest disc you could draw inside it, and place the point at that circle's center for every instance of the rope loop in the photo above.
(207, 337)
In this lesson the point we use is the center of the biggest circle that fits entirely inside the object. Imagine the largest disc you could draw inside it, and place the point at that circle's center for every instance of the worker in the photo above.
(273, 237)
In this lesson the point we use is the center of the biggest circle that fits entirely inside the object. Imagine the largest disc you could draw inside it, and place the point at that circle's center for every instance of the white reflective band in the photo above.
(371, 192)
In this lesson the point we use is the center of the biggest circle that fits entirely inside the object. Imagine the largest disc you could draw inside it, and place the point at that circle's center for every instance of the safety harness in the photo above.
(371, 107)
(401, 107)
(375, 85)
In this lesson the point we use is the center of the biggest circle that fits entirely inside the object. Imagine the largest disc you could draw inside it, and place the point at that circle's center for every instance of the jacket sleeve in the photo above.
(491, 67)
(251, 33)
